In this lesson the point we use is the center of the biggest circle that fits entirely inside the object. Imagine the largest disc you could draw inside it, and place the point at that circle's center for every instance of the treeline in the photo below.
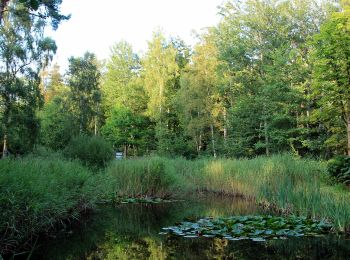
(272, 76)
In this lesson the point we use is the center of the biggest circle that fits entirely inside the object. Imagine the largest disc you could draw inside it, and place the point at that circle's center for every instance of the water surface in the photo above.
(131, 231)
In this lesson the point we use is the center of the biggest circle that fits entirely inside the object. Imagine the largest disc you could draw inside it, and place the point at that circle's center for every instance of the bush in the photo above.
(92, 151)
(339, 169)
(44, 152)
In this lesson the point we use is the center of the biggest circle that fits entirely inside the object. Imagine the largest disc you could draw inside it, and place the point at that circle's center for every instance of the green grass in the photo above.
(40, 192)
(152, 177)
(282, 182)
(36, 195)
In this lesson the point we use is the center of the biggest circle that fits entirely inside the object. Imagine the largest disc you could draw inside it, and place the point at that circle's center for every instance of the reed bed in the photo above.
(282, 182)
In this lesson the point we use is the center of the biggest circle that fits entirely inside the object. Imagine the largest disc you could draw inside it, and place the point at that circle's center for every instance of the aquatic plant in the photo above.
(287, 184)
(38, 194)
(145, 200)
(256, 228)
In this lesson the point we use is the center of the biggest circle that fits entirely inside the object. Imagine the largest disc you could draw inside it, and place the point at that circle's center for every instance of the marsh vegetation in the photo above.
(255, 116)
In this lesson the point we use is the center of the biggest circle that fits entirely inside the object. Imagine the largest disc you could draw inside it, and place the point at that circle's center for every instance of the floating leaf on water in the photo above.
(190, 236)
(258, 232)
(167, 228)
(258, 239)
(206, 235)
(268, 232)
(253, 227)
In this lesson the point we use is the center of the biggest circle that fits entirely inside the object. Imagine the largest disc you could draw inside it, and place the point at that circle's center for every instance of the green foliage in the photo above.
(121, 84)
(160, 78)
(24, 51)
(57, 124)
(256, 228)
(331, 78)
(339, 169)
(281, 182)
(37, 194)
(48, 9)
(127, 130)
(145, 200)
(198, 102)
(45, 152)
(85, 95)
(144, 177)
(263, 53)
(23, 129)
(93, 151)
(52, 86)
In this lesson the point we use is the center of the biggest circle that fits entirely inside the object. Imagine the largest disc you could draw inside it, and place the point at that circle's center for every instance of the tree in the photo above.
(121, 84)
(331, 73)
(160, 70)
(265, 71)
(24, 51)
(57, 123)
(45, 9)
(127, 130)
(52, 84)
(198, 101)
(83, 81)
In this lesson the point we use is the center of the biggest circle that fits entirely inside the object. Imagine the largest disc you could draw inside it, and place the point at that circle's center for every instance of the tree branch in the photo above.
(3, 5)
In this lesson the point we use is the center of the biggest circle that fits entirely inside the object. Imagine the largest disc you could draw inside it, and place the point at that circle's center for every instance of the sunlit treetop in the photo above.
(44, 9)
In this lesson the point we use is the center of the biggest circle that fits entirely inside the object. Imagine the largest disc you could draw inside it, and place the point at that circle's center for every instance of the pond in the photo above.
(131, 231)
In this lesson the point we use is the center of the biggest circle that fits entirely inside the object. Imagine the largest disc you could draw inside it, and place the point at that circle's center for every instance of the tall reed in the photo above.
(37, 194)
(290, 184)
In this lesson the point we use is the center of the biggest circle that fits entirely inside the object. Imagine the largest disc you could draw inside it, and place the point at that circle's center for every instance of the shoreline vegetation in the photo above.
(41, 193)
(270, 78)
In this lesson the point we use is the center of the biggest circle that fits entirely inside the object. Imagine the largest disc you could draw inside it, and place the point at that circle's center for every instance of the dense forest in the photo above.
(253, 110)
(271, 77)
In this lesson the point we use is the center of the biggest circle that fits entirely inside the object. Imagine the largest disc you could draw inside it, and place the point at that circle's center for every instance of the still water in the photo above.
(131, 231)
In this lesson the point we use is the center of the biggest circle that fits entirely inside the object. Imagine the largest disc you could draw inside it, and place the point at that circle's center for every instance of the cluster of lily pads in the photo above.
(256, 228)
(147, 200)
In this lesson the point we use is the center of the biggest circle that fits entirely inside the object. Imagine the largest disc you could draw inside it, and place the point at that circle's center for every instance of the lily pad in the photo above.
(256, 228)
(145, 200)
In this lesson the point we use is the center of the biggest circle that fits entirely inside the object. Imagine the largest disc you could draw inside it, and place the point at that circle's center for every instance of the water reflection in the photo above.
(132, 232)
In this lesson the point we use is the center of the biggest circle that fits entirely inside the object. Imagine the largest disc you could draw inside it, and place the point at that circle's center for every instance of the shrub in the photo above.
(44, 152)
(92, 151)
(339, 169)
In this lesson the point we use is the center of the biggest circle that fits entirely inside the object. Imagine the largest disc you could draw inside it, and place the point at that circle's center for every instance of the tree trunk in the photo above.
(95, 125)
(3, 5)
(348, 131)
(4, 149)
(199, 144)
(266, 139)
(81, 127)
(6, 123)
(225, 125)
(125, 150)
(212, 140)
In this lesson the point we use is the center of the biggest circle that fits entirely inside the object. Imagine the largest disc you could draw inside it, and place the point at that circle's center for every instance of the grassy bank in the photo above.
(38, 194)
(283, 182)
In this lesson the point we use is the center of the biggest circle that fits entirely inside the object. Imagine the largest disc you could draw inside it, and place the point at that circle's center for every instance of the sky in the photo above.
(95, 25)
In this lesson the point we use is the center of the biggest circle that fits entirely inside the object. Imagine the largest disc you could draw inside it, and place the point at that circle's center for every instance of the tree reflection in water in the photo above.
(132, 232)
